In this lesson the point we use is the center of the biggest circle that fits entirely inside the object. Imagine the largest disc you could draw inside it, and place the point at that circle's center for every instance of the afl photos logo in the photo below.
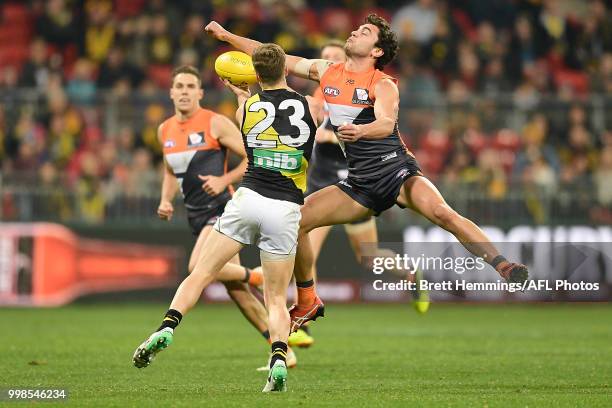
(361, 97)
(331, 91)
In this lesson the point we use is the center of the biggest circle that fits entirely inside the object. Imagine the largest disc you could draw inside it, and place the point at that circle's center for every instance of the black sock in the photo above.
(305, 284)
(171, 319)
(279, 352)
(497, 260)
(266, 334)
(247, 275)
(306, 329)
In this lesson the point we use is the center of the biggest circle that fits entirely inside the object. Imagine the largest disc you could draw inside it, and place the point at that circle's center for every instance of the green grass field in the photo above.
(457, 355)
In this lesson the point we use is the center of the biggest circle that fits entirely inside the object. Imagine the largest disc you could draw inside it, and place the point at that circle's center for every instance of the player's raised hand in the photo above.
(349, 132)
(240, 92)
(216, 30)
(213, 185)
(165, 210)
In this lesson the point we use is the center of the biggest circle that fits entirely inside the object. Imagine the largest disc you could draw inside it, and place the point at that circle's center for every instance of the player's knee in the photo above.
(445, 216)
(304, 229)
(202, 271)
(306, 222)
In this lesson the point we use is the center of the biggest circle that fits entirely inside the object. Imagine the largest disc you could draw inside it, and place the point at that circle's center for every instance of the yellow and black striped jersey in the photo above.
(278, 133)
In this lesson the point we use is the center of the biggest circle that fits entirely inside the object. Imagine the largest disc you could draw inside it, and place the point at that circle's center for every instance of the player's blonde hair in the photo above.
(269, 63)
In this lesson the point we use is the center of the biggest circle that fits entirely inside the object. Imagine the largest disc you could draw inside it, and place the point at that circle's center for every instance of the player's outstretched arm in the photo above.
(242, 43)
(168, 190)
(316, 109)
(302, 67)
(230, 137)
(386, 108)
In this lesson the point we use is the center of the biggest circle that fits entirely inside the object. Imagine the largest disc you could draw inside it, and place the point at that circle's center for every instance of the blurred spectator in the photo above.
(54, 202)
(493, 82)
(154, 115)
(90, 200)
(35, 72)
(81, 88)
(125, 145)
(487, 44)
(100, 32)
(142, 179)
(603, 176)
(416, 21)
(440, 52)
(537, 162)
(601, 80)
(596, 36)
(134, 37)
(559, 36)
(579, 155)
(469, 67)
(524, 49)
(8, 79)
(491, 175)
(116, 68)
(57, 24)
(191, 38)
(4, 140)
(161, 45)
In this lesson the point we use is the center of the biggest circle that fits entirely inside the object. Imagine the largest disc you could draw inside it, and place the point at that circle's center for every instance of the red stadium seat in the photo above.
(310, 20)
(578, 81)
(430, 161)
(160, 74)
(337, 20)
(436, 142)
(15, 13)
(13, 55)
(475, 140)
(506, 139)
(15, 34)
(128, 8)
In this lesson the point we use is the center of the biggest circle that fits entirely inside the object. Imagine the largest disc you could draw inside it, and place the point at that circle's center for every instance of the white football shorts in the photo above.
(253, 219)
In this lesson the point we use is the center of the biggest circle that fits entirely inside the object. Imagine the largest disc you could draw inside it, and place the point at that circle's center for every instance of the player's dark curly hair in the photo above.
(387, 40)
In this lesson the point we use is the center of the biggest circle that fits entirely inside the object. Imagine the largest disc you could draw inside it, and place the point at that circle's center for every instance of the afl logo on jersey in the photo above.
(331, 91)
(402, 173)
(168, 144)
(196, 139)
(361, 97)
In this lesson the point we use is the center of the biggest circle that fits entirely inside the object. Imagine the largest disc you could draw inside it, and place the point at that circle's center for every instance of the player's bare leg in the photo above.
(277, 273)
(301, 337)
(419, 194)
(317, 239)
(328, 206)
(232, 271)
(249, 306)
(216, 252)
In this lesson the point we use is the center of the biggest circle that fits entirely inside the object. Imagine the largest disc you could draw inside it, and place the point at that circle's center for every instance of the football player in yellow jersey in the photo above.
(195, 143)
(278, 131)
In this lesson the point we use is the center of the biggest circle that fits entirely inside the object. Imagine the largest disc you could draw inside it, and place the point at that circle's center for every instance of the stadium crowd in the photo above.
(496, 95)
